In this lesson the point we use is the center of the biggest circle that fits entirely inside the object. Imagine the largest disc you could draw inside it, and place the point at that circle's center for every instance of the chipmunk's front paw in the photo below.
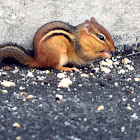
(106, 55)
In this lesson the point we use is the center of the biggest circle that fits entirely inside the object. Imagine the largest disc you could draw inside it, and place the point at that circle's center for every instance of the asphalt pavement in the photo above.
(101, 102)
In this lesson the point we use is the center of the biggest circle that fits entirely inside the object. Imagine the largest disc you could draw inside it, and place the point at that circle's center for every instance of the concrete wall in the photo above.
(20, 19)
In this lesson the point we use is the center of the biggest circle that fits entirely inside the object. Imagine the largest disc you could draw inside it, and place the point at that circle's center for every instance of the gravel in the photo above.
(96, 105)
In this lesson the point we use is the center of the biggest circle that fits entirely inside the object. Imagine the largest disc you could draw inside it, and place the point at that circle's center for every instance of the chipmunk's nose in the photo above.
(112, 49)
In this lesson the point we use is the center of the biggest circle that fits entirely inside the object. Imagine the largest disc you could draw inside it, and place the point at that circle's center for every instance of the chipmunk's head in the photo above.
(99, 37)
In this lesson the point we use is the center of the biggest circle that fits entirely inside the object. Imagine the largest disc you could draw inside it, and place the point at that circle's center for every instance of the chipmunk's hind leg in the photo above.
(63, 61)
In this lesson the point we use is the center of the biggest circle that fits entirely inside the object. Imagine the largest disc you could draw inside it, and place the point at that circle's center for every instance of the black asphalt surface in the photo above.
(77, 116)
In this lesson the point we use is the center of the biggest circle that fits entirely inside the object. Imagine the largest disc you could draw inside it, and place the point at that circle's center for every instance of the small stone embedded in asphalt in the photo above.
(7, 83)
(30, 97)
(128, 90)
(122, 129)
(23, 93)
(106, 70)
(4, 91)
(29, 74)
(17, 125)
(7, 68)
(126, 61)
(134, 116)
(127, 48)
(134, 45)
(101, 83)
(61, 75)
(100, 108)
(138, 45)
(65, 83)
(18, 138)
(58, 97)
(137, 79)
(83, 75)
(116, 84)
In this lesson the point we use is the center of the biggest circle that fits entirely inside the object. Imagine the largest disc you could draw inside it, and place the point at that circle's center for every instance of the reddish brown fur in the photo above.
(58, 50)
(58, 43)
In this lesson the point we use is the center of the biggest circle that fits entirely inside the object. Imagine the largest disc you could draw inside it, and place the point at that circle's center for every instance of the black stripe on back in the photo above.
(57, 28)
(58, 34)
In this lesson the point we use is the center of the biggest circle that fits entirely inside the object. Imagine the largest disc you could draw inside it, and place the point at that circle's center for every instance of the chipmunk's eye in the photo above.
(101, 37)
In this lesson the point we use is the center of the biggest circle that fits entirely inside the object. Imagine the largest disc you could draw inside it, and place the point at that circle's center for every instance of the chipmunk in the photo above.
(57, 44)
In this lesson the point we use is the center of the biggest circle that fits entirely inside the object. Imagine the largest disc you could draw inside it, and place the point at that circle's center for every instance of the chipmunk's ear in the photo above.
(87, 26)
(93, 19)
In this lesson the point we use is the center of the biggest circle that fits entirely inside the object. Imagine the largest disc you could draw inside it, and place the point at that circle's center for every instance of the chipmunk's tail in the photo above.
(18, 53)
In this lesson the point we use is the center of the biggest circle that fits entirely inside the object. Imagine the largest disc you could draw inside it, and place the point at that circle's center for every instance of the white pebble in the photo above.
(122, 129)
(110, 62)
(134, 116)
(7, 83)
(129, 107)
(134, 99)
(130, 67)
(126, 61)
(59, 97)
(116, 84)
(4, 91)
(84, 75)
(18, 138)
(65, 83)
(4, 73)
(14, 108)
(122, 71)
(100, 108)
(47, 71)
(110, 96)
(104, 63)
(17, 125)
(129, 79)
(41, 78)
(124, 99)
(30, 97)
(96, 69)
(106, 70)
(116, 63)
(29, 74)
(80, 85)
(61, 75)
(21, 88)
(137, 79)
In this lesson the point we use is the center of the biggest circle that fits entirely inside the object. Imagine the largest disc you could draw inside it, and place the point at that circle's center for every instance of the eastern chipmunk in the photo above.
(57, 44)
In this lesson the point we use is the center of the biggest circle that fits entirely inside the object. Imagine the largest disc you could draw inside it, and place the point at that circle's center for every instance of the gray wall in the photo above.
(20, 19)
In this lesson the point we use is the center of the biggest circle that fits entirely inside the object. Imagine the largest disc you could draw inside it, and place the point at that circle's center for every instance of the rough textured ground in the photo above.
(96, 106)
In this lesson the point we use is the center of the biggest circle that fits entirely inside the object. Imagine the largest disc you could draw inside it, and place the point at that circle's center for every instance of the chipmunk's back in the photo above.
(52, 29)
